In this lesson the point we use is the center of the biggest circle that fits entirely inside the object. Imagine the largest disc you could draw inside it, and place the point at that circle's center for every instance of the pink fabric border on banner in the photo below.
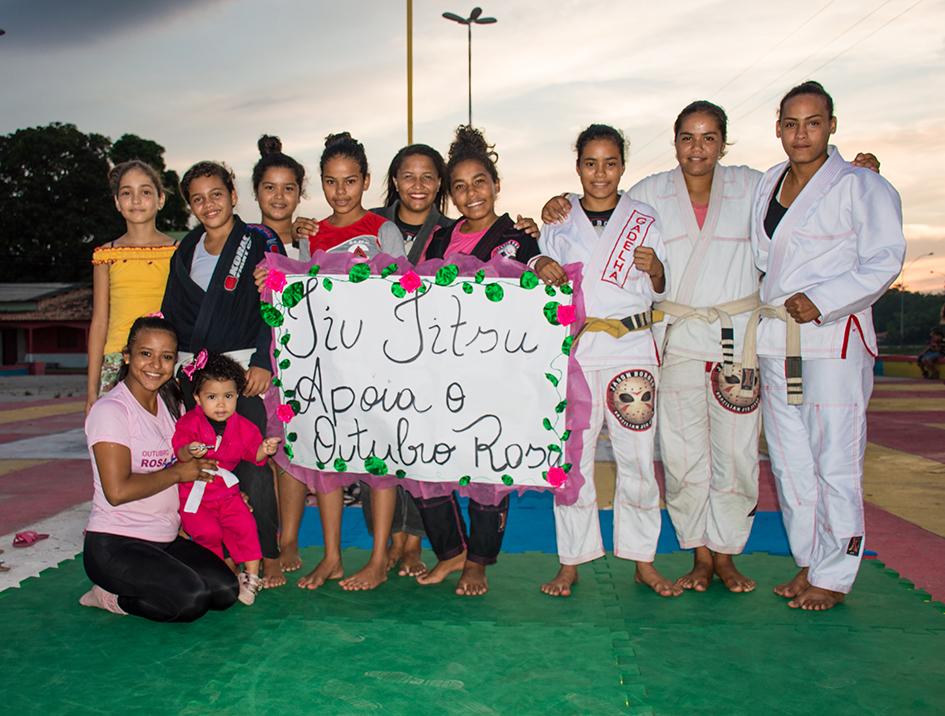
(577, 414)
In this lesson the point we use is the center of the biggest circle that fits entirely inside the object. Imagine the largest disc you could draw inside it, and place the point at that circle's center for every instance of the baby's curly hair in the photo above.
(221, 368)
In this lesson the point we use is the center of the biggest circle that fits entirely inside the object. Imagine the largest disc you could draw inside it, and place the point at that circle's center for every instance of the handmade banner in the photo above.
(438, 378)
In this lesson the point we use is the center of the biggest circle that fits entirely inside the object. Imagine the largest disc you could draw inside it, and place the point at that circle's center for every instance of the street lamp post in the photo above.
(902, 293)
(475, 18)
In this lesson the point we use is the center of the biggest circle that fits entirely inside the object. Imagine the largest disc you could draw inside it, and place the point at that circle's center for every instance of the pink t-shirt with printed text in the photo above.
(461, 243)
(117, 417)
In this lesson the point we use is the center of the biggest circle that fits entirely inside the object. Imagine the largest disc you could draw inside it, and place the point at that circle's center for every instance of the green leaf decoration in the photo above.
(284, 363)
(553, 379)
(551, 312)
(566, 467)
(292, 437)
(467, 287)
(550, 290)
(327, 283)
(289, 393)
(388, 270)
(422, 289)
(554, 448)
(567, 290)
(295, 405)
(446, 275)
(400, 474)
(313, 270)
(464, 480)
(566, 345)
(565, 435)
(528, 280)
(398, 290)
(480, 276)
(507, 479)
(340, 465)
(359, 273)
(271, 315)
(544, 475)
(284, 340)
(287, 449)
(559, 408)
(494, 292)
(375, 466)
(277, 382)
(546, 424)
(292, 294)
(276, 352)
(319, 464)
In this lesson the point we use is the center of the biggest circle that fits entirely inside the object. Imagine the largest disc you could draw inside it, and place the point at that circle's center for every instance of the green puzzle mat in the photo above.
(613, 648)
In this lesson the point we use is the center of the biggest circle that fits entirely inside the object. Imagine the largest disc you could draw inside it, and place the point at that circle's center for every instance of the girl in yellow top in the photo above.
(129, 273)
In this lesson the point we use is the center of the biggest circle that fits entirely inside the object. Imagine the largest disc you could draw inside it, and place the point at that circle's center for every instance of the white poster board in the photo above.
(442, 379)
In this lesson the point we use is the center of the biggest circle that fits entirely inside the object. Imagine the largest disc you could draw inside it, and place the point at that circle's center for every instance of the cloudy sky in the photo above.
(205, 79)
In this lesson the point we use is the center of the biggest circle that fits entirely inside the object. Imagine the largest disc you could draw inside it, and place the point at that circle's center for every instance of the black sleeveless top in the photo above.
(775, 211)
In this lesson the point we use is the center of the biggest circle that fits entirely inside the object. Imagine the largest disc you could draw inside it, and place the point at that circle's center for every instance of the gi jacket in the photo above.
(501, 238)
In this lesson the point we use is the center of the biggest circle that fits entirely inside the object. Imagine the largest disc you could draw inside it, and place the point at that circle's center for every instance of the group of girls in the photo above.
(688, 231)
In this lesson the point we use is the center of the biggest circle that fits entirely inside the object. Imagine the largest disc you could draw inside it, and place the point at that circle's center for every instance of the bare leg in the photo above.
(733, 580)
(374, 573)
(699, 577)
(647, 574)
(291, 506)
(472, 583)
(560, 586)
(816, 599)
(411, 565)
(330, 506)
(791, 589)
(443, 569)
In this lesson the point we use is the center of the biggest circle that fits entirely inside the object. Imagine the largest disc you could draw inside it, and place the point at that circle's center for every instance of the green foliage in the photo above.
(919, 313)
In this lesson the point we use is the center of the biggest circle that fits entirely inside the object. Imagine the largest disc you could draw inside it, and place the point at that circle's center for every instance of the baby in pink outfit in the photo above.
(215, 430)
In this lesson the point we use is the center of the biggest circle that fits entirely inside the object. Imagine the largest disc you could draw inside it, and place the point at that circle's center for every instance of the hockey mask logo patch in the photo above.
(728, 394)
(631, 397)
(509, 249)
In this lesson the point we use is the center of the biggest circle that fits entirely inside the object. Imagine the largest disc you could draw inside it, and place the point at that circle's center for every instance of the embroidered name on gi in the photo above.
(236, 268)
(621, 257)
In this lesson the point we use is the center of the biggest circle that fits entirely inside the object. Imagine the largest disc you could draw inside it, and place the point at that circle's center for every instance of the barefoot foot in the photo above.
(699, 577)
(733, 580)
(273, 576)
(289, 557)
(647, 574)
(370, 576)
(98, 598)
(791, 589)
(815, 599)
(560, 586)
(473, 582)
(443, 569)
(328, 568)
(411, 565)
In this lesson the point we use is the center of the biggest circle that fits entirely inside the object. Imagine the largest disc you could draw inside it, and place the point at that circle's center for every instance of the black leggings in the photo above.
(446, 529)
(165, 582)
(257, 481)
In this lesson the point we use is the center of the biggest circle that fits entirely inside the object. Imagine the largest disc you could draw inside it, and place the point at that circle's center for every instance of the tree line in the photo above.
(55, 203)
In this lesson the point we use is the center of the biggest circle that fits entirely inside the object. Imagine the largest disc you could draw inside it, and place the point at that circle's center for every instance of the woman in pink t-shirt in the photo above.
(133, 554)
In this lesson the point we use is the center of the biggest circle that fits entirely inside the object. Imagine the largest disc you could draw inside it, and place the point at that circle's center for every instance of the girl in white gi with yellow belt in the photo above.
(828, 237)
(618, 241)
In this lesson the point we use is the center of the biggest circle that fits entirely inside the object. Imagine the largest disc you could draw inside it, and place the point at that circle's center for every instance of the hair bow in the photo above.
(199, 361)
(156, 314)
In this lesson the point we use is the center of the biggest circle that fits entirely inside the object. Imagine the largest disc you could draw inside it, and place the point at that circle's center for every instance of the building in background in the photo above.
(44, 326)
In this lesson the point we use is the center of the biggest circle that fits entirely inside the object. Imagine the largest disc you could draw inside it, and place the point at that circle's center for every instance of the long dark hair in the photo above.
(271, 155)
(170, 391)
(434, 156)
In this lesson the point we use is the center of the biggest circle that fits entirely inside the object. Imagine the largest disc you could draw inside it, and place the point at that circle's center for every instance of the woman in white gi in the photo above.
(828, 238)
(618, 241)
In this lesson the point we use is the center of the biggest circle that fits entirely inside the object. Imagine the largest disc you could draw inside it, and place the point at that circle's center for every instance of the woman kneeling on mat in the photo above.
(133, 554)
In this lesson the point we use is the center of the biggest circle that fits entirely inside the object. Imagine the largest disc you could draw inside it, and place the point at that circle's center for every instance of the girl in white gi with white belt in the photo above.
(618, 241)
(828, 238)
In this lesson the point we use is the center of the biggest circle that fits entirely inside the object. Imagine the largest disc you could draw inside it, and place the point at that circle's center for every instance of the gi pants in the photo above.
(625, 399)
(709, 445)
(224, 521)
(817, 451)
(446, 529)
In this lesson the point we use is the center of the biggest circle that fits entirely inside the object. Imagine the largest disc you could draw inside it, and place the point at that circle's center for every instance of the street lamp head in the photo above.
(475, 18)
(455, 18)
(476, 12)
(485, 21)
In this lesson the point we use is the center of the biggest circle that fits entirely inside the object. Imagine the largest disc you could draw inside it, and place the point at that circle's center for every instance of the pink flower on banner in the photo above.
(566, 315)
(275, 280)
(410, 282)
(285, 413)
(557, 477)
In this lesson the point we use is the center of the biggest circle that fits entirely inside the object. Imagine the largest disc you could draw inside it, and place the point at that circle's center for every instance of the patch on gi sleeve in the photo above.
(631, 396)
(853, 547)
